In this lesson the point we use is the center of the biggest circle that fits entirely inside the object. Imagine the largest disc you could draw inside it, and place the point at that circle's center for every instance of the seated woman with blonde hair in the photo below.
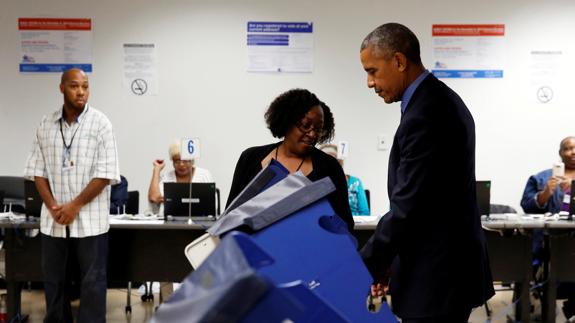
(184, 172)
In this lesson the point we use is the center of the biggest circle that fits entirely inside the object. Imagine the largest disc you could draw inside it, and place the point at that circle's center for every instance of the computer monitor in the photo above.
(32, 200)
(177, 200)
(483, 189)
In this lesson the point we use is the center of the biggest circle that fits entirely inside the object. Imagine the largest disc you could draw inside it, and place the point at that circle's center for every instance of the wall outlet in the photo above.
(382, 143)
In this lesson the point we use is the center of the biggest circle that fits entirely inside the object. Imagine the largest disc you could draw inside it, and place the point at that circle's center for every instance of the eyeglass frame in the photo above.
(308, 128)
(181, 161)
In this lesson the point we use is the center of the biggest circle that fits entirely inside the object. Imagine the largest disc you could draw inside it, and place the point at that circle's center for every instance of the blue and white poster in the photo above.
(53, 45)
(280, 46)
(468, 50)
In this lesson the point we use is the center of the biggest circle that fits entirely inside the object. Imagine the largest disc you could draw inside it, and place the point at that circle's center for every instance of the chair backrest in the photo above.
(13, 188)
(33, 201)
(368, 197)
(133, 204)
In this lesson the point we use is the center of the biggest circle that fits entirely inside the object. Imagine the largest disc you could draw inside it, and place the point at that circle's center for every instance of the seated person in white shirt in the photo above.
(184, 172)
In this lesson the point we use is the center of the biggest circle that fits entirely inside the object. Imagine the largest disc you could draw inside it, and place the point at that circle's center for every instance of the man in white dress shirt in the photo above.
(73, 162)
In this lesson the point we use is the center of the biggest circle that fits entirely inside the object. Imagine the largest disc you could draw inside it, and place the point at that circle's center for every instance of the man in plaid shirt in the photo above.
(73, 162)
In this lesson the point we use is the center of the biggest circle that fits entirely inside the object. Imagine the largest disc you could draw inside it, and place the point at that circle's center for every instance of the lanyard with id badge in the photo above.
(67, 162)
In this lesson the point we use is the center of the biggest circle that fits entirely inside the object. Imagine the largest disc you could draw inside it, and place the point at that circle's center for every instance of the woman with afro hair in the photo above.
(300, 120)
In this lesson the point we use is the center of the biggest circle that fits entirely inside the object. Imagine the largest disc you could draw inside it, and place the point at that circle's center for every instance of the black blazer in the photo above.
(432, 233)
(324, 165)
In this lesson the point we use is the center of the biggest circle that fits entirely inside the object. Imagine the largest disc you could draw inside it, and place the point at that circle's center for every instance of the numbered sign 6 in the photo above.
(190, 148)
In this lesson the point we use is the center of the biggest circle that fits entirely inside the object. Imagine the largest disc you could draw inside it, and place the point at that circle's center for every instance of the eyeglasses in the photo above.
(180, 161)
(308, 127)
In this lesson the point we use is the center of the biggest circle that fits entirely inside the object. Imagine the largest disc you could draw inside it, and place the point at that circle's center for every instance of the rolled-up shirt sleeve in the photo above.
(107, 165)
(35, 164)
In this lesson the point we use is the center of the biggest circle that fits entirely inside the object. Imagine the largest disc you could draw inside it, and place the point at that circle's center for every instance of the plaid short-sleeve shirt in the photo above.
(91, 154)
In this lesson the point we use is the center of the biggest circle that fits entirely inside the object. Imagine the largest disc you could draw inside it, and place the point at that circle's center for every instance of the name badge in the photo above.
(67, 163)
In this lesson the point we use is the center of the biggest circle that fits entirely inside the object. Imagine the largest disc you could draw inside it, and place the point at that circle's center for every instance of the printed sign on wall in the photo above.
(546, 70)
(55, 44)
(280, 46)
(140, 71)
(468, 51)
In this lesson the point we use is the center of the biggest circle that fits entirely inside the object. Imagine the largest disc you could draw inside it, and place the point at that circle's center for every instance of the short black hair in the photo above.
(393, 37)
(66, 74)
(564, 141)
(290, 107)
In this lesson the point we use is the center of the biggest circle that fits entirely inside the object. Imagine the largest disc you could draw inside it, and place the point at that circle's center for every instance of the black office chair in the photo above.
(13, 200)
(13, 187)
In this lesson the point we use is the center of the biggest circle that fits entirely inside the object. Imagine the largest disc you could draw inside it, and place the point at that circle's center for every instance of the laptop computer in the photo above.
(572, 201)
(32, 200)
(177, 201)
(483, 189)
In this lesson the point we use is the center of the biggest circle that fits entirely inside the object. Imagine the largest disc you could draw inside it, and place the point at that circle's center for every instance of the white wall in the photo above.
(205, 91)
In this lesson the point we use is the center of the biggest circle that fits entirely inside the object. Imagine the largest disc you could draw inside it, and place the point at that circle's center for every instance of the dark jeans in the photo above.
(458, 317)
(92, 256)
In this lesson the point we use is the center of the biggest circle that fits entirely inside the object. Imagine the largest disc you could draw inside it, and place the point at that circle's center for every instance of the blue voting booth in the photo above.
(302, 266)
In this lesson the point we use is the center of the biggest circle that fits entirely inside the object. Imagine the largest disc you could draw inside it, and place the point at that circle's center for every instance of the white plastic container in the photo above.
(198, 250)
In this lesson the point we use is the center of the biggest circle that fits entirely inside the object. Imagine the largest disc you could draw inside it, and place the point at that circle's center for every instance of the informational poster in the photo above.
(468, 51)
(55, 44)
(546, 65)
(280, 46)
(140, 71)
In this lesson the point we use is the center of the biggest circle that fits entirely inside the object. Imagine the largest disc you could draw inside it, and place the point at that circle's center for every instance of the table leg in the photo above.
(13, 301)
(548, 307)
